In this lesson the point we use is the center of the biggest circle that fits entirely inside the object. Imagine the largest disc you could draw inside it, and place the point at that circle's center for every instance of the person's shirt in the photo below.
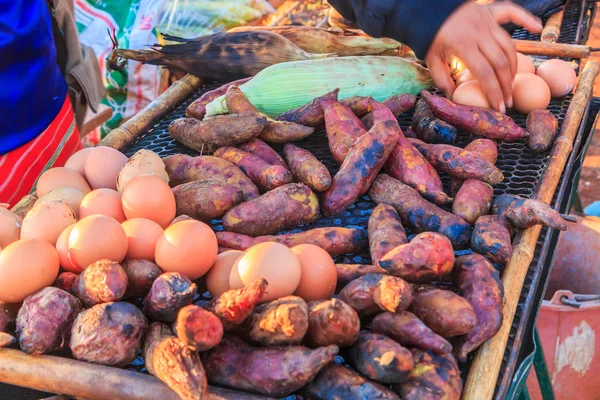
(412, 22)
(32, 88)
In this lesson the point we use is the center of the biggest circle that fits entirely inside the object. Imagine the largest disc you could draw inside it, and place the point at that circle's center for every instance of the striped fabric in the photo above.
(20, 168)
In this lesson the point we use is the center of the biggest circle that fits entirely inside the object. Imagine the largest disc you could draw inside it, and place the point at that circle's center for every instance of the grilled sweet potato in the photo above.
(306, 168)
(474, 199)
(398, 105)
(67, 281)
(310, 114)
(102, 282)
(271, 371)
(405, 328)
(480, 284)
(478, 121)
(197, 328)
(542, 127)
(524, 213)
(346, 273)
(234, 306)
(338, 382)
(45, 320)
(486, 149)
(428, 256)
(264, 151)
(279, 322)
(445, 312)
(418, 213)
(217, 393)
(385, 232)
(343, 129)
(141, 274)
(198, 108)
(214, 132)
(238, 103)
(287, 206)
(459, 163)
(492, 238)
(380, 358)
(108, 333)
(206, 200)
(331, 322)
(363, 162)
(430, 129)
(265, 176)
(358, 104)
(170, 292)
(374, 293)
(410, 133)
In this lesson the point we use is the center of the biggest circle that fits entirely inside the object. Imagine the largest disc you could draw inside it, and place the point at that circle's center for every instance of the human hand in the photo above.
(473, 34)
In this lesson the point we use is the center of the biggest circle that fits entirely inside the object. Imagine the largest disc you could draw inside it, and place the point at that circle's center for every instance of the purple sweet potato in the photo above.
(141, 274)
(280, 322)
(542, 127)
(331, 322)
(410, 133)
(380, 358)
(492, 238)
(67, 281)
(198, 108)
(306, 168)
(428, 256)
(398, 105)
(480, 284)
(405, 328)
(363, 162)
(343, 129)
(197, 328)
(108, 333)
(206, 200)
(474, 199)
(478, 121)
(104, 281)
(418, 213)
(234, 306)
(346, 273)
(264, 151)
(45, 320)
(270, 371)
(358, 104)
(430, 129)
(310, 114)
(375, 293)
(525, 213)
(486, 149)
(170, 292)
(385, 232)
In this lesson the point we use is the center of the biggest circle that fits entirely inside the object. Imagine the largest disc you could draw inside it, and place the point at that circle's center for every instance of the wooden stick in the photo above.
(23, 206)
(123, 136)
(552, 49)
(487, 362)
(551, 31)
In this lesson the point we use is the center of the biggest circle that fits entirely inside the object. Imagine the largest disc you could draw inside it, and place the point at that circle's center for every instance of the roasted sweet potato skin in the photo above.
(358, 104)
(346, 273)
(331, 322)
(418, 212)
(280, 322)
(264, 151)
(492, 238)
(343, 129)
(284, 132)
(306, 168)
(234, 306)
(310, 114)
(238, 103)
(445, 312)
(287, 206)
(270, 371)
(474, 199)
(542, 127)
(67, 281)
(430, 129)
(169, 293)
(524, 213)
(428, 256)
(398, 104)
(480, 284)
(45, 320)
(374, 293)
(385, 232)
(206, 200)
(198, 108)
(141, 274)
(486, 149)
(102, 282)
(197, 328)
(405, 328)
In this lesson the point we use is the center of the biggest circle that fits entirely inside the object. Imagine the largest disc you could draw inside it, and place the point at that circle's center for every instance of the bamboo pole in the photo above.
(551, 31)
(483, 374)
(123, 136)
(552, 49)
(24, 205)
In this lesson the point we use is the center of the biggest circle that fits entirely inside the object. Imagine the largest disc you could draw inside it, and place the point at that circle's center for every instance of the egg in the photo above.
(26, 266)
(144, 162)
(470, 94)
(102, 167)
(524, 64)
(272, 261)
(142, 235)
(72, 197)
(188, 247)
(559, 75)
(530, 92)
(464, 76)
(95, 238)
(46, 221)
(10, 227)
(148, 196)
(56, 178)
(62, 247)
(77, 161)
(217, 278)
(319, 275)
(103, 201)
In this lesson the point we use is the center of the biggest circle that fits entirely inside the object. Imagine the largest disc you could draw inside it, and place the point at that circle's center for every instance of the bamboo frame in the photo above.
(551, 31)
(484, 371)
(552, 49)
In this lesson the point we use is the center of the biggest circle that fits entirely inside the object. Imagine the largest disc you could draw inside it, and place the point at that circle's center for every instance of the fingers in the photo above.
(501, 62)
(440, 73)
(506, 12)
(480, 66)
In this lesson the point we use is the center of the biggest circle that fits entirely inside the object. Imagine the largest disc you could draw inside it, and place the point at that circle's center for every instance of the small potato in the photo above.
(169, 293)
(69, 282)
(102, 282)
(380, 358)
(331, 322)
(141, 274)
(542, 127)
(144, 162)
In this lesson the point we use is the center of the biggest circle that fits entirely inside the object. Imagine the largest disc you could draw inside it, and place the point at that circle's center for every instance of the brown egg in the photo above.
(77, 161)
(272, 261)
(62, 247)
(470, 94)
(319, 275)
(95, 238)
(102, 167)
(10, 227)
(26, 266)
(559, 75)
(464, 76)
(217, 278)
(530, 92)
(46, 221)
(148, 196)
(56, 178)
(188, 247)
(72, 197)
(524, 64)
(142, 235)
(103, 201)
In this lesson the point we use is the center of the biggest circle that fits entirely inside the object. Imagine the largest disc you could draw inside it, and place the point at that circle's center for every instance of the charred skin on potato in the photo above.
(374, 293)
(525, 213)
(492, 238)
(331, 322)
(67, 281)
(358, 104)
(346, 273)
(141, 274)
(343, 129)
(385, 232)
(398, 105)
(280, 322)
(306, 168)
(310, 114)
(104, 281)
(206, 200)
(430, 129)
(170, 292)
(197, 328)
